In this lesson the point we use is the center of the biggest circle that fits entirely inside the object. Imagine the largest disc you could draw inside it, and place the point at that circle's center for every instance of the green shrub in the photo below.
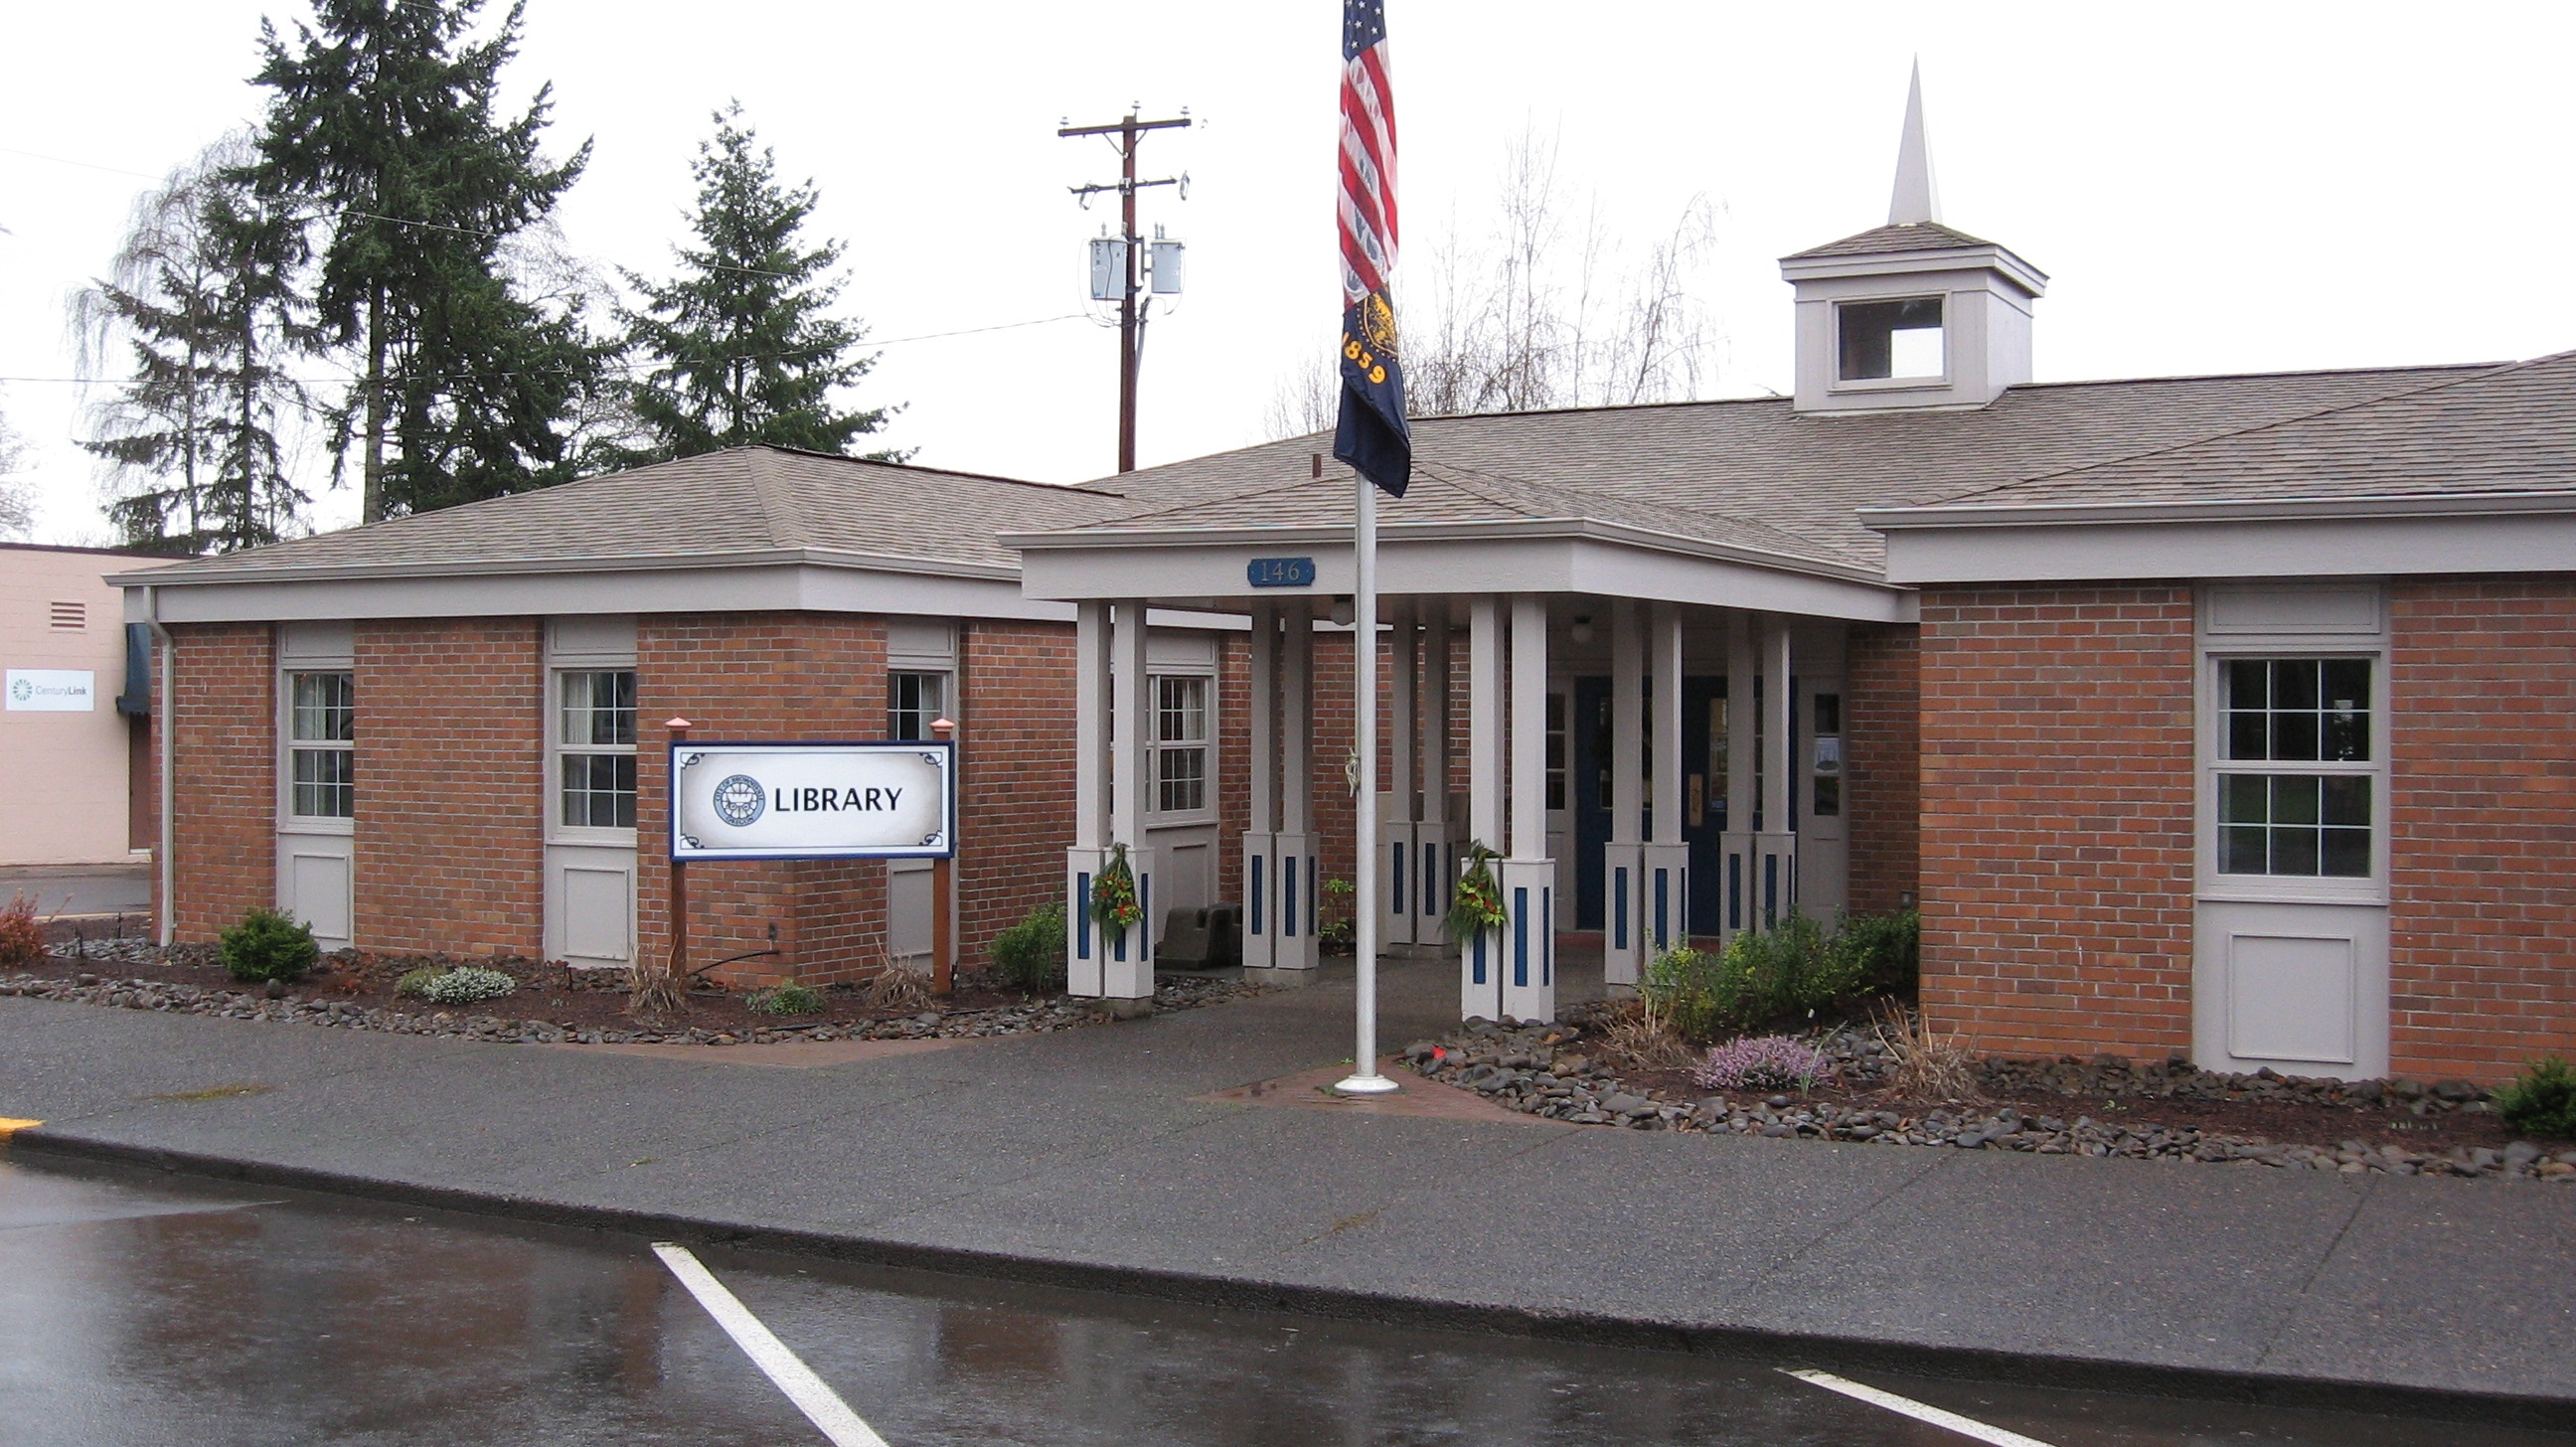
(416, 982)
(267, 945)
(1791, 969)
(1030, 954)
(467, 985)
(21, 938)
(2541, 1100)
(1885, 950)
(785, 998)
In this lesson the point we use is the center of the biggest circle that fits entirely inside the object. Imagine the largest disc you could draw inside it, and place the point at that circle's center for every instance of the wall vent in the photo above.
(70, 617)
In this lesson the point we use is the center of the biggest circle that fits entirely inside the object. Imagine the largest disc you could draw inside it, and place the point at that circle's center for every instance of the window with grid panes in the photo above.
(595, 740)
(913, 702)
(1556, 751)
(322, 745)
(2295, 770)
(1180, 743)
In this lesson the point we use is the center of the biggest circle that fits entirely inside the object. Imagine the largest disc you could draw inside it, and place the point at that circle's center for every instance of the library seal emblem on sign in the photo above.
(740, 799)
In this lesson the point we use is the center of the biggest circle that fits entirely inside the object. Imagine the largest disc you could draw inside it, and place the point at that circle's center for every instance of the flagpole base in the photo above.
(1366, 1083)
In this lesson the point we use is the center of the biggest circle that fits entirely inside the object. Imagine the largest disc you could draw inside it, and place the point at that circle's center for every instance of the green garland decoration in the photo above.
(1113, 894)
(1476, 906)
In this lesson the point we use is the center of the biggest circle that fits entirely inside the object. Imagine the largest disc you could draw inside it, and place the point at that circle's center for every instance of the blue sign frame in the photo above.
(1280, 572)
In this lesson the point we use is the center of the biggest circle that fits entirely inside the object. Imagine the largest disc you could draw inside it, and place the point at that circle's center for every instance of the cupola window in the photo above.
(1884, 340)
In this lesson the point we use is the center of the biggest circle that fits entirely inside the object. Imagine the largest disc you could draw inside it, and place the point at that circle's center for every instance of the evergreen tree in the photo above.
(385, 123)
(742, 344)
(200, 297)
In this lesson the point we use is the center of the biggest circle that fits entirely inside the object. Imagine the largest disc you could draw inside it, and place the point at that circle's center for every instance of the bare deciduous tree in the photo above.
(1545, 312)
(17, 505)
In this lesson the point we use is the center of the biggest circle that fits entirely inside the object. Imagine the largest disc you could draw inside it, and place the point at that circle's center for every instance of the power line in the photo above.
(622, 366)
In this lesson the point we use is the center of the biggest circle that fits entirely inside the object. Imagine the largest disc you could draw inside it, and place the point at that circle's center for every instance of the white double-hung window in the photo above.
(1180, 743)
(915, 699)
(595, 748)
(2298, 767)
(321, 749)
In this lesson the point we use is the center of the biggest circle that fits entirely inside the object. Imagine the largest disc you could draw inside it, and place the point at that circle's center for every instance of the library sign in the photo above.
(814, 801)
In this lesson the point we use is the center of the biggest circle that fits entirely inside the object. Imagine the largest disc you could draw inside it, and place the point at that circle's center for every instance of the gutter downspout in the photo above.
(165, 785)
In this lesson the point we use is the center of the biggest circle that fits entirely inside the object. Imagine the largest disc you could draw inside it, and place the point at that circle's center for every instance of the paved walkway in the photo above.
(1115, 1156)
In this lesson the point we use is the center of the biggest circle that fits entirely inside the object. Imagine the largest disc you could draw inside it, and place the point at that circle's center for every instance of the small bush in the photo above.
(1759, 1062)
(416, 982)
(21, 938)
(267, 945)
(1883, 952)
(467, 985)
(2541, 1100)
(1791, 969)
(1030, 954)
(785, 998)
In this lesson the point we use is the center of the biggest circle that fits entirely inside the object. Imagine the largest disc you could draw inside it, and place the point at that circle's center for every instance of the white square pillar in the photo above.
(1664, 882)
(1091, 728)
(1436, 841)
(1300, 891)
(1622, 938)
(1261, 830)
(1398, 849)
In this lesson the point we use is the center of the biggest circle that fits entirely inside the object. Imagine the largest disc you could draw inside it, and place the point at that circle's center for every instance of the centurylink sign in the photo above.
(814, 801)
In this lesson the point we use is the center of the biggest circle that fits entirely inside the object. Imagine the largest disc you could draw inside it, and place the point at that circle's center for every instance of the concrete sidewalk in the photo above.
(1087, 1158)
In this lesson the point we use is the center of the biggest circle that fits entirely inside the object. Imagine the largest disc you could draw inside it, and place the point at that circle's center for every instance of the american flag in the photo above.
(1372, 436)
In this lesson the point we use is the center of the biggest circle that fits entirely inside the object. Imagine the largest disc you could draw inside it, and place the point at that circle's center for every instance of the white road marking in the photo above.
(1919, 1411)
(818, 1402)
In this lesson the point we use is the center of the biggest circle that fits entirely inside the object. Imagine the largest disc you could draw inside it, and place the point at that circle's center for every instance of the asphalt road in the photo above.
(150, 1309)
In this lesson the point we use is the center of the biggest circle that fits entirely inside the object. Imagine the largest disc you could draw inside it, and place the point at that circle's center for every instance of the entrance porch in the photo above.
(1641, 736)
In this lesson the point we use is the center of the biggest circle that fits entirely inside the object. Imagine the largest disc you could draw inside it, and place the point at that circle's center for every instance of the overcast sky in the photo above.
(2210, 188)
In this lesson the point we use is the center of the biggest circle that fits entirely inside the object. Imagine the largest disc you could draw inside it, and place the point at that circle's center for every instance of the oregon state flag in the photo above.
(1371, 434)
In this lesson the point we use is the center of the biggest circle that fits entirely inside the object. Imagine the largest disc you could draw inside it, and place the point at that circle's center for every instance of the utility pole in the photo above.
(1125, 134)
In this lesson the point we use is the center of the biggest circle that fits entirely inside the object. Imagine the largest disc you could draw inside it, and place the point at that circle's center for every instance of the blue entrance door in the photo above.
(1703, 790)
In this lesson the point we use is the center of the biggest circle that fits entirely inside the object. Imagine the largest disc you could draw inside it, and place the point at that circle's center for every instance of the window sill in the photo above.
(307, 824)
(591, 838)
(2291, 889)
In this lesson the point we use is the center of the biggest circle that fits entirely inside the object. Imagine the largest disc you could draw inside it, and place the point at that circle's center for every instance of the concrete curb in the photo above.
(1591, 1328)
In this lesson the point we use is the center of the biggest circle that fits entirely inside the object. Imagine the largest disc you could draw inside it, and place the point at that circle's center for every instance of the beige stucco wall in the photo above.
(63, 775)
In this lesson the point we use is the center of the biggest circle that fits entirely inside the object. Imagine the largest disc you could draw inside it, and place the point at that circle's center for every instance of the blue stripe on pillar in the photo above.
(1257, 883)
(1547, 936)
(1082, 916)
(1663, 907)
(1144, 919)
(1288, 897)
(1770, 890)
(1619, 909)
(1735, 891)
(1520, 937)
(1478, 955)
(1395, 905)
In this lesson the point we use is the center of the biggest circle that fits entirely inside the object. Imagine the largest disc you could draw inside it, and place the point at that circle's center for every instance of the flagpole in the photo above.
(1364, 1079)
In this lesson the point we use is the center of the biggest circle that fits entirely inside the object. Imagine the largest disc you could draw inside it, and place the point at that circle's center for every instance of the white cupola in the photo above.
(1912, 314)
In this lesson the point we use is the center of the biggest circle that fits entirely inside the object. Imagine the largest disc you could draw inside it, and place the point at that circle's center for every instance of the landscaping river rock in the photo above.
(1544, 1070)
(1178, 992)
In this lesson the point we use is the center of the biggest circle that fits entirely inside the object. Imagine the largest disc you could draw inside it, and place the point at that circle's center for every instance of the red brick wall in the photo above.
(770, 676)
(224, 801)
(1882, 737)
(2057, 809)
(2482, 758)
(452, 786)
(1015, 691)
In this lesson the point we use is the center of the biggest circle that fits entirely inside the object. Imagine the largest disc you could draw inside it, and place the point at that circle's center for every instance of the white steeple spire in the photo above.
(1916, 199)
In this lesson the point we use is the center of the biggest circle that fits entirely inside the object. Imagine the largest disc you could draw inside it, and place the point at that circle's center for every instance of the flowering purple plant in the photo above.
(1759, 1062)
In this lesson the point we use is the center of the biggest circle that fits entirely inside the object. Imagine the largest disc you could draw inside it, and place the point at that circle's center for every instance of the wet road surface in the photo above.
(141, 1309)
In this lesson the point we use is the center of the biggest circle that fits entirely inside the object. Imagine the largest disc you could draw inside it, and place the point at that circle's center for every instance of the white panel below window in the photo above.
(599, 912)
(2290, 998)
(318, 890)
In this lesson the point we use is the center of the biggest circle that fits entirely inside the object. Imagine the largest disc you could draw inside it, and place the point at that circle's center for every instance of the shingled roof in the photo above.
(1759, 468)
(2494, 431)
(740, 503)
(1885, 240)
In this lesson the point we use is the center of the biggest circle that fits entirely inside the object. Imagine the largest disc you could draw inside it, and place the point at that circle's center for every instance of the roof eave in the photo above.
(2133, 510)
(521, 567)
(1568, 528)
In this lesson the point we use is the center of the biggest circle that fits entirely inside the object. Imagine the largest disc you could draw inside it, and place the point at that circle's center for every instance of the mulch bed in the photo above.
(581, 999)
